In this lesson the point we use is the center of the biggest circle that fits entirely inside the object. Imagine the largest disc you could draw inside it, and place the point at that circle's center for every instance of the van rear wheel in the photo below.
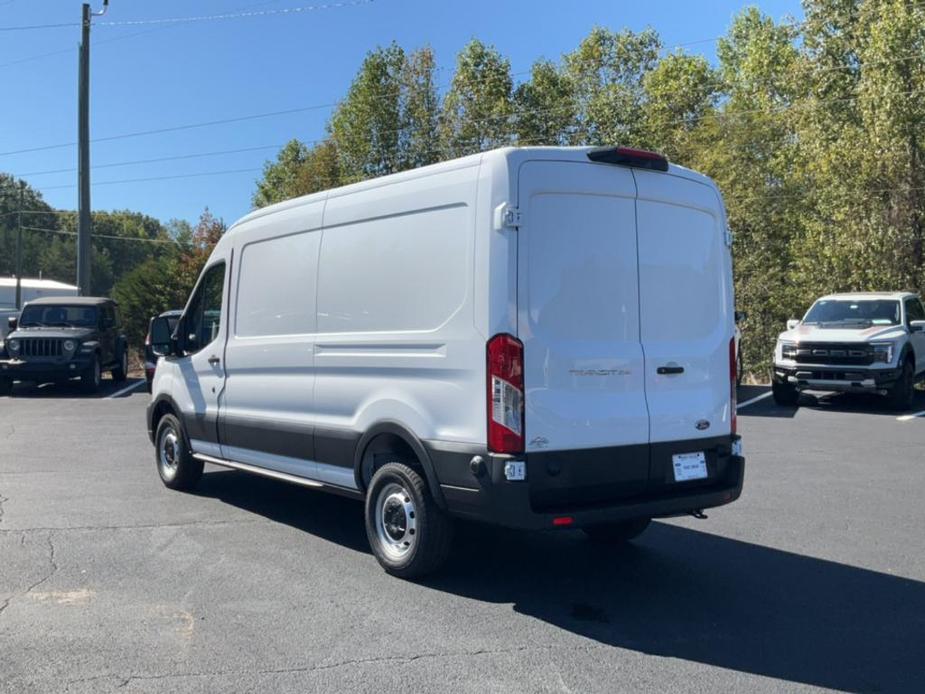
(176, 466)
(407, 531)
(617, 533)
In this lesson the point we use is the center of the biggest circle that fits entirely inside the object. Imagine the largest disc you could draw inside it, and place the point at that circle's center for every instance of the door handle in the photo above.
(213, 360)
(666, 370)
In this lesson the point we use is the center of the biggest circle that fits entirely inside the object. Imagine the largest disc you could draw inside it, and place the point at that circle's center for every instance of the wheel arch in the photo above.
(162, 404)
(393, 437)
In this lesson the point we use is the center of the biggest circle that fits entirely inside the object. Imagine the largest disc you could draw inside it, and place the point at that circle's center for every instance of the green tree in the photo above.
(607, 72)
(544, 106)
(280, 178)
(478, 107)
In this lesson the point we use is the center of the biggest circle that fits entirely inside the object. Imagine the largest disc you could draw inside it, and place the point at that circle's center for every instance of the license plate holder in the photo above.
(689, 466)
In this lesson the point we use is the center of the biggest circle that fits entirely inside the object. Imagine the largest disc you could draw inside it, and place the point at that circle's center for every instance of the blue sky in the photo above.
(159, 76)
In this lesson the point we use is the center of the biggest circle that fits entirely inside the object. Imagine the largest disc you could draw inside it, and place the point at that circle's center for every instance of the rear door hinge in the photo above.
(729, 237)
(507, 217)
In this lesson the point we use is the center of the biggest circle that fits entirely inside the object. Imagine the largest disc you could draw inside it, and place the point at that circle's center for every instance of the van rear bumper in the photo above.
(527, 504)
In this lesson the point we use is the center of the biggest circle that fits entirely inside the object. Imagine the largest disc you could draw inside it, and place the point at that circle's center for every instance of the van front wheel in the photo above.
(176, 466)
(617, 533)
(408, 533)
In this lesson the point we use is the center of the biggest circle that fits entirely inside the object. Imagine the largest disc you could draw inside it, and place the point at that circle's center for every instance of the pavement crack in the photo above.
(3, 500)
(53, 569)
(124, 681)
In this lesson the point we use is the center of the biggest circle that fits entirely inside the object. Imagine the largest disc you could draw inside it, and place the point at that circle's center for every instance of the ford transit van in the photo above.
(530, 337)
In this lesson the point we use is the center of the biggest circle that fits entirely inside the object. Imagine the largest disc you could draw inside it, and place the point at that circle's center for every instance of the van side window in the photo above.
(204, 317)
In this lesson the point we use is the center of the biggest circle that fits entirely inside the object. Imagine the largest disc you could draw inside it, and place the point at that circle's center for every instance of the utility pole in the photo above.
(84, 249)
(22, 188)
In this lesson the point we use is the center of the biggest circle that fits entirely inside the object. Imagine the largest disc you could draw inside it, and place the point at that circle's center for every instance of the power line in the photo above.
(160, 178)
(153, 161)
(113, 237)
(238, 15)
(316, 107)
(201, 18)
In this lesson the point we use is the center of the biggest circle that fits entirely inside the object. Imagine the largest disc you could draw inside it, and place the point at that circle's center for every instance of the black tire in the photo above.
(902, 393)
(176, 466)
(784, 394)
(120, 373)
(617, 533)
(6, 386)
(407, 531)
(92, 378)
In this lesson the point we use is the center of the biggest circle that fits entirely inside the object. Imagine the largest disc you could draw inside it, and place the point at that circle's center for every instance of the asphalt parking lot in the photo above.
(815, 578)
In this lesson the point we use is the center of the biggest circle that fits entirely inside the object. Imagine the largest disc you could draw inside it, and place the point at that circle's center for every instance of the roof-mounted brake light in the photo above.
(624, 156)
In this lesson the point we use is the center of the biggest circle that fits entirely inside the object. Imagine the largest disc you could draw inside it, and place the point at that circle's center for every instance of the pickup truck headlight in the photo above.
(13, 346)
(786, 349)
(883, 352)
(69, 346)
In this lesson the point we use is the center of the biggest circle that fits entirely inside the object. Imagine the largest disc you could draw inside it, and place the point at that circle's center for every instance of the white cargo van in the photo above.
(535, 337)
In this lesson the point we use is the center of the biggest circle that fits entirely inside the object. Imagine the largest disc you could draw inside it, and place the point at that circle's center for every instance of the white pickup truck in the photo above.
(866, 342)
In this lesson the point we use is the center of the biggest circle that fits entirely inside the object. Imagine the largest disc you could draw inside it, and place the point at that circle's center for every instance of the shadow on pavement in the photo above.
(70, 390)
(676, 593)
(765, 407)
(861, 403)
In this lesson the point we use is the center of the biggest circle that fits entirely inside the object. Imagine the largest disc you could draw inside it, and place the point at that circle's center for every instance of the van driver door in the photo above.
(201, 338)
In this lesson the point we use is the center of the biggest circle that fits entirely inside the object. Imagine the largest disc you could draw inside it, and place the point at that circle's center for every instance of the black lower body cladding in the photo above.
(589, 486)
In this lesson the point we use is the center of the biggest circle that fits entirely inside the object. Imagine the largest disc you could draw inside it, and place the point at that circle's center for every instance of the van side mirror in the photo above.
(740, 316)
(792, 323)
(162, 342)
(917, 326)
(12, 322)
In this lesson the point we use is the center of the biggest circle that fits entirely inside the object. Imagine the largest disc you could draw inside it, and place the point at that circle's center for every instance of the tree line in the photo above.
(813, 131)
(146, 265)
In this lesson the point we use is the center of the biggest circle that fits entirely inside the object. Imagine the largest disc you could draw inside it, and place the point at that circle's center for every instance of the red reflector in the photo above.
(625, 156)
(732, 382)
(563, 520)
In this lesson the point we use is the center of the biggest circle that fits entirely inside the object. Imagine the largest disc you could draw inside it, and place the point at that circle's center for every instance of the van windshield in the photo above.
(61, 316)
(844, 313)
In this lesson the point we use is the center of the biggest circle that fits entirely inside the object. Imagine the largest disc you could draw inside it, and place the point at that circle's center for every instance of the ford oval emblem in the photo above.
(702, 424)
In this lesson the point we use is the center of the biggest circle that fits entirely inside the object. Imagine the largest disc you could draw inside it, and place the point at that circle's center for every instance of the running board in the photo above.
(273, 474)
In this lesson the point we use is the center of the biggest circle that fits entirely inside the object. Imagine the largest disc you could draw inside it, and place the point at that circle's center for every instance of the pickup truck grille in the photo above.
(41, 347)
(834, 353)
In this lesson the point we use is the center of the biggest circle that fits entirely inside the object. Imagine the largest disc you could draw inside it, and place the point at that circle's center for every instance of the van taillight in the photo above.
(505, 394)
(732, 382)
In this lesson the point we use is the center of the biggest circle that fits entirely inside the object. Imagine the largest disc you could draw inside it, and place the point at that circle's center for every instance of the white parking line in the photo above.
(125, 390)
(752, 401)
(907, 417)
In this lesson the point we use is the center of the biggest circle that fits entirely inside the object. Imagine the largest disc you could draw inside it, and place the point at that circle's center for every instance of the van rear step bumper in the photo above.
(489, 497)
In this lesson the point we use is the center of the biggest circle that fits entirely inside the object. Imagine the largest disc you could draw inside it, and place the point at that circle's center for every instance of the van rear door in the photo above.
(578, 315)
(686, 311)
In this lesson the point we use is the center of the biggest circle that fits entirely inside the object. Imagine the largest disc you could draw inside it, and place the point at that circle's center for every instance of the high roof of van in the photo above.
(512, 155)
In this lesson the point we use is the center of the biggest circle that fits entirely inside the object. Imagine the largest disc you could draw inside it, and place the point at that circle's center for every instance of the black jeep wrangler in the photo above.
(59, 338)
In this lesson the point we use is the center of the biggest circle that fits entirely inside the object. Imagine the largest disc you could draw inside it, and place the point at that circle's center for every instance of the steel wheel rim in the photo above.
(396, 521)
(168, 453)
